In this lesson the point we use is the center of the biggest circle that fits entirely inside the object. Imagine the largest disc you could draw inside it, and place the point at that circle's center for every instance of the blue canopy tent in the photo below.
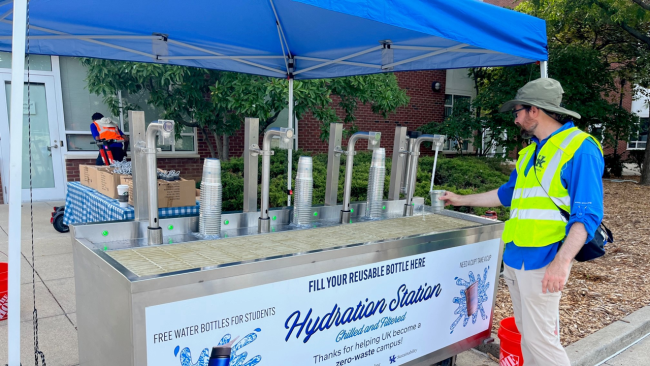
(294, 39)
(324, 38)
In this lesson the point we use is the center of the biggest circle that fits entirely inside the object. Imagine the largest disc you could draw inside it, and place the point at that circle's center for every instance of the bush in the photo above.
(613, 166)
(463, 175)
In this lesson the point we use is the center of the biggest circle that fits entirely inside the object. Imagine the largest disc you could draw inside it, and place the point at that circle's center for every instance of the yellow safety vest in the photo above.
(534, 220)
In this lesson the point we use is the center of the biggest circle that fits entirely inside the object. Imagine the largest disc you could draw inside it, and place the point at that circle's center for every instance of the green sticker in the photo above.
(274, 218)
(315, 213)
(351, 210)
(105, 247)
(383, 208)
(170, 227)
(226, 222)
(105, 233)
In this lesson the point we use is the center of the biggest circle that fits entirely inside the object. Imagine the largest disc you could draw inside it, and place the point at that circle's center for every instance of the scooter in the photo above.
(105, 151)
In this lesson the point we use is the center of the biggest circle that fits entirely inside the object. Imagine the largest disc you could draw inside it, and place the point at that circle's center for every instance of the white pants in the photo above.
(537, 316)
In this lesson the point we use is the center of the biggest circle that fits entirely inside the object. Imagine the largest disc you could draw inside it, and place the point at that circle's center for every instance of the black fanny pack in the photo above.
(594, 248)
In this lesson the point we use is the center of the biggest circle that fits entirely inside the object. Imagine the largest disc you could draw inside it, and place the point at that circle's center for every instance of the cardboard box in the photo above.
(106, 182)
(89, 175)
(178, 193)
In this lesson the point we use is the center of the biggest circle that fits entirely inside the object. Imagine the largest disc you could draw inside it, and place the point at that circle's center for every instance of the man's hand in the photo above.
(451, 198)
(556, 275)
(487, 199)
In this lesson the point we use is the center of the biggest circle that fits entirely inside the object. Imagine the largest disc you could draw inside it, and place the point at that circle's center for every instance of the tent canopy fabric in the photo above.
(321, 38)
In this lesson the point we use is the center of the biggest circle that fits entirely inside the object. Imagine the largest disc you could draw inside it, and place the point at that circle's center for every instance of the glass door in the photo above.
(47, 175)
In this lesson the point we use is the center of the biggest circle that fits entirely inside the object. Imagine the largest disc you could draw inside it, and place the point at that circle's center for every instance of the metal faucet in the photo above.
(264, 222)
(373, 143)
(437, 140)
(166, 129)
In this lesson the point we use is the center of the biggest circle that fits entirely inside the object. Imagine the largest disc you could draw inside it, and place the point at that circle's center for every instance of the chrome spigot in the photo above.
(165, 128)
(373, 143)
(286, 134)
(437, 140)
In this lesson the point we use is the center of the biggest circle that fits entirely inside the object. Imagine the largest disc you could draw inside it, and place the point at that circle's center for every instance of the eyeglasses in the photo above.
(514, 112)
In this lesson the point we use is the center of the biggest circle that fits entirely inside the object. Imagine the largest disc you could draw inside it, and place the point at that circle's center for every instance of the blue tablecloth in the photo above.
(84, 204)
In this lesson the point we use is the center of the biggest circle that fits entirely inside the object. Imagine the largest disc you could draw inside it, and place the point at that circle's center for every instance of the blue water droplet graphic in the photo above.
(258, 330)
(176, 350)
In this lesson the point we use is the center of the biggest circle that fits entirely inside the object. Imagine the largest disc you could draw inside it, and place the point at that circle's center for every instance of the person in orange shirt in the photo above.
(104, 128)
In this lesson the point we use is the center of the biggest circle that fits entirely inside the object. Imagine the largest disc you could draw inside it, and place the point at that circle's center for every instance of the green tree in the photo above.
(618, 29)
(216, 102)
(459, 127)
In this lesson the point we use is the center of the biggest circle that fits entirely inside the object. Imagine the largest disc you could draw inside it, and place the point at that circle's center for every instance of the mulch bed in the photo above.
(607, 289)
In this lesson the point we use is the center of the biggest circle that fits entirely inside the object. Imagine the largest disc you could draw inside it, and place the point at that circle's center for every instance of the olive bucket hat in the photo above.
(544, 93)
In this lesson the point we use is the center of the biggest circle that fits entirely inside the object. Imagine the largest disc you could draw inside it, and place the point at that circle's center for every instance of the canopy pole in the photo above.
(543, 66)
(290, 152)
(15, 174)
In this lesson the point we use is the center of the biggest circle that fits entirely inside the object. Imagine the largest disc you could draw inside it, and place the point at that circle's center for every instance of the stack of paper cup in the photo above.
(302, 212)
(123, 195)
(376, 177)
(210, 212)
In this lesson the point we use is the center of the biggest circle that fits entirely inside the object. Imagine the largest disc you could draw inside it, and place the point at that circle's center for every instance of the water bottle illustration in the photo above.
(220, 355)
(226, 353)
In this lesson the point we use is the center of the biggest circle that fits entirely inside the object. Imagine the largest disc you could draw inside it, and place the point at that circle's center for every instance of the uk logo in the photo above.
(392, 359)
(541, 160)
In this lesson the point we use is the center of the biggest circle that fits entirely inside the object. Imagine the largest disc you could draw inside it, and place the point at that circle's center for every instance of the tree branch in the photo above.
(190, 124)
(636, 34)
(207, 141)
(642, 4)
(270, 121)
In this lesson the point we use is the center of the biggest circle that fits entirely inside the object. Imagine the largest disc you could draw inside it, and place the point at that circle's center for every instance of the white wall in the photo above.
(459, 83)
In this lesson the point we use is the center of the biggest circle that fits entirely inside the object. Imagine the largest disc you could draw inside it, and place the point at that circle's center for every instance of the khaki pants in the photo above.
(537, 317)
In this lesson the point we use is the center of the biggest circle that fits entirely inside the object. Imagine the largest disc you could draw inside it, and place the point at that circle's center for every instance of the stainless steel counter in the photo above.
(118, 276)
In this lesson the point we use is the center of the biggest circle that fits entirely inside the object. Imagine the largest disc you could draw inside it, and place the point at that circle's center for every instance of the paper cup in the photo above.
(123, 195)
(436, 204)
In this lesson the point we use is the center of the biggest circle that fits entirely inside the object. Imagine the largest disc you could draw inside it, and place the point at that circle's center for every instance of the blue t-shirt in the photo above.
(93, 130)
(582, 177)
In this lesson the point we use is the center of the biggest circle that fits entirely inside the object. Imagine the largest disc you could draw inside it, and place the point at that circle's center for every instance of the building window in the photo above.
(36, 62)
(639, 138)
(449, 108)
(79, 105)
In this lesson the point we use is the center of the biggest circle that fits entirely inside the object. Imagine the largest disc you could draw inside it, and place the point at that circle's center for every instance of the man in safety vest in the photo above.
(104, 128)
(562, 167)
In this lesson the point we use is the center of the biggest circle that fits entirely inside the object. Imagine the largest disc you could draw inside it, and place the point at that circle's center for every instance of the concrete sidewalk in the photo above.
(55, 295)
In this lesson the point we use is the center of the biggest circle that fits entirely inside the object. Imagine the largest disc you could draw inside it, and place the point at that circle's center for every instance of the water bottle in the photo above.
(220, 356)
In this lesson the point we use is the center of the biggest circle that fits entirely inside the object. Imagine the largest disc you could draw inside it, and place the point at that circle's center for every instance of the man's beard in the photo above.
(526, 134)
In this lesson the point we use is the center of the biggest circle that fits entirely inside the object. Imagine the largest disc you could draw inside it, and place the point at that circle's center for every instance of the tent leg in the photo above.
(543, 68)
(290, 152)
(15, 176)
